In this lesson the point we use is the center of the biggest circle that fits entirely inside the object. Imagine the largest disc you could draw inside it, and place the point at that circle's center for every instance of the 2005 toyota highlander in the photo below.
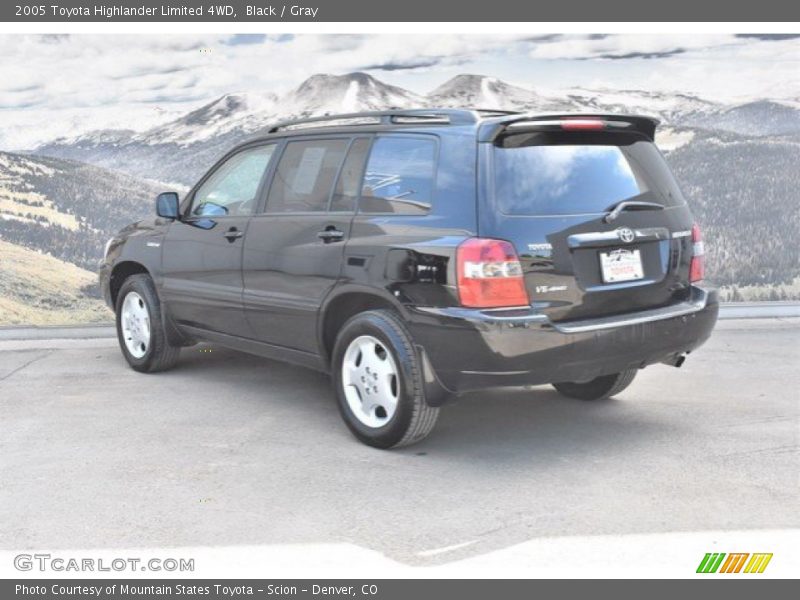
(416, 255)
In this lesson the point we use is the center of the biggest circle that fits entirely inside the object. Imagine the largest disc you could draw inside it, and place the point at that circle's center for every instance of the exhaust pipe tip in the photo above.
(676, 360)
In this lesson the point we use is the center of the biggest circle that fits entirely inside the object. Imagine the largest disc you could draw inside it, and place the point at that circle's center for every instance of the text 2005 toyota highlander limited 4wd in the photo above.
(416, 255)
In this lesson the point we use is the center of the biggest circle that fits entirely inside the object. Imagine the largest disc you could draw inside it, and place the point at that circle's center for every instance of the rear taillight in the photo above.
(489, 274)
(697, 268)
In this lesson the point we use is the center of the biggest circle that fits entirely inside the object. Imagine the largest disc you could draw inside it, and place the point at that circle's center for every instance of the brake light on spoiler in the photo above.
(489, 274)
(582, 124)
(645, 126)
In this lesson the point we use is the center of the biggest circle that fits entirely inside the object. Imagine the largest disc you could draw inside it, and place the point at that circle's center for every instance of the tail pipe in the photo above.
(675, 360)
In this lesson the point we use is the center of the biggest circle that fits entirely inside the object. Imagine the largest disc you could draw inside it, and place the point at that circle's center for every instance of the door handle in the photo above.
(331, 234)
(233, 234)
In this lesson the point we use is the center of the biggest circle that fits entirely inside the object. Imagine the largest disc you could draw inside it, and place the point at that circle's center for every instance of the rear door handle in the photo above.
(331, 234)
(233, 234)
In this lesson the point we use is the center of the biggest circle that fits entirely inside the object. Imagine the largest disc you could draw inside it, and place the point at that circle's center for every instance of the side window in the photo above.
(347, 188)
(304, 178)
(399, 176)
(232, 188)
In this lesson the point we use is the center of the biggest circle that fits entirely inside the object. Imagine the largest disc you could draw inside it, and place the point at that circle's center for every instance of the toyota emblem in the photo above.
(626, 235)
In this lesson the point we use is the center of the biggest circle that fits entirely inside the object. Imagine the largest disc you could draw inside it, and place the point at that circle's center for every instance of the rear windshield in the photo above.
(566, 178)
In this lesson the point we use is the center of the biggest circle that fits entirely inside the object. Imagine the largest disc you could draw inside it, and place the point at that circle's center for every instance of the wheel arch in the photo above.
(344, 304)
(340, 306)
(120, 273)
(127, 268)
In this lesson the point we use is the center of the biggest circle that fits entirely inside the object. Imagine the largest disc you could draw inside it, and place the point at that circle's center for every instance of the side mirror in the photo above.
(168, 205)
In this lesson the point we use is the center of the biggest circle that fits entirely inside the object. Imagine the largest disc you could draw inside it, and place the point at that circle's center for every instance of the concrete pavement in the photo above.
(232, 450)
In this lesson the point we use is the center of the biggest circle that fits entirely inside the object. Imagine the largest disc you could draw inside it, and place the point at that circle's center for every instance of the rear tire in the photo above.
(599, 388)
(377, 377)
(140, 328)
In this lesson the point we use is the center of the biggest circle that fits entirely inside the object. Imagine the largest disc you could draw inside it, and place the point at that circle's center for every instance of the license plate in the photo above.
(622, 264)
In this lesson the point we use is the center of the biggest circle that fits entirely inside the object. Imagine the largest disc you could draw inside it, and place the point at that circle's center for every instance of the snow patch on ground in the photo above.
(669, 139)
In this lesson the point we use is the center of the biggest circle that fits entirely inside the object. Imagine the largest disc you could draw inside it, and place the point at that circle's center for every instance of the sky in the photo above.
(53, 85)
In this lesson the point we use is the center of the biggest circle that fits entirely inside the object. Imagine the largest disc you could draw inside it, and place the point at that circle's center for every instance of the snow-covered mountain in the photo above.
(758, 118)
(180, 150)
(489, 92)
(331, 94)
(479, 91)
(248, 113)
(245, 112)
(670, 108)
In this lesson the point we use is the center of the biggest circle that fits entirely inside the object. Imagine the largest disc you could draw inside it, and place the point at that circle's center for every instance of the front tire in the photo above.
(377, 377)
(140, 328)
(598, 388)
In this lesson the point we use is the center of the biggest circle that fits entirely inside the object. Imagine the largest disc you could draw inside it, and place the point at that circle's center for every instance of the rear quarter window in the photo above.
(399, 177)
(565, 179)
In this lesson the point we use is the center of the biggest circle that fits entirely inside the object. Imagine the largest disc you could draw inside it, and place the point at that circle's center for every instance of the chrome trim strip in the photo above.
(491, 315)
(500, 373)
(695, 304)
(577, 240)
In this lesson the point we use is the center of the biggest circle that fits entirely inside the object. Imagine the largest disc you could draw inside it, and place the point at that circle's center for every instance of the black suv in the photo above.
(417, 255)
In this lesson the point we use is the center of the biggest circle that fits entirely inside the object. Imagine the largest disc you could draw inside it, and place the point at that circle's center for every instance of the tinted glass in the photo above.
(399, 176)
(232, 188)
(574, 179)
(304, 178)
(347, 188)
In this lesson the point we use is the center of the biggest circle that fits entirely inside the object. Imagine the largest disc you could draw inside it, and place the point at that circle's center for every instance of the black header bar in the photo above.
(381, 589)
(401, 11)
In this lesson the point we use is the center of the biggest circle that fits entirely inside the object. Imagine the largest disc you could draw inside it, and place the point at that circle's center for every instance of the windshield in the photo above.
(568, 179)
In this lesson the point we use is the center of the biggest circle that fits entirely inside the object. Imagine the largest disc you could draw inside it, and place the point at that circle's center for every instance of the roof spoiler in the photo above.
(646, 126)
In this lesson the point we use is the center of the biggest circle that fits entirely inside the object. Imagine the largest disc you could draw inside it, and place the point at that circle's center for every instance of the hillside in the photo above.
(36, 289)
(743, 191)
(758, 119)
(65, 208)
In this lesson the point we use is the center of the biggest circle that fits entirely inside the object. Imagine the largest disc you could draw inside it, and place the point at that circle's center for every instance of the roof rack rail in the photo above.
(496, 111)
(445, 116)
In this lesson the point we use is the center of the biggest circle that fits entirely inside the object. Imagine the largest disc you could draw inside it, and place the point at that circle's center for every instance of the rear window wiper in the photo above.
(630, 205)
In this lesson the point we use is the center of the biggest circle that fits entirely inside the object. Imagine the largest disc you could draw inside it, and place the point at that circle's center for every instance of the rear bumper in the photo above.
(469, 349)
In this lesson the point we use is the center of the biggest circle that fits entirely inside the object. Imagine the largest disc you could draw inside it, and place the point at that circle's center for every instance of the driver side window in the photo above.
(232, 188)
